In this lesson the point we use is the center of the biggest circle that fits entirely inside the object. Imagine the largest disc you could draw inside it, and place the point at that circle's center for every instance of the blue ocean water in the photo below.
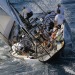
(66, 66)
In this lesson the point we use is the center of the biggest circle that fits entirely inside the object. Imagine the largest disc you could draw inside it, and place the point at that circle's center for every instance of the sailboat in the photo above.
(39, 42)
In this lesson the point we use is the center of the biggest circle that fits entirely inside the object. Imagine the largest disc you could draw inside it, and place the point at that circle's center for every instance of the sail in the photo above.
(4, 6)
(6, 21)
(10, 11)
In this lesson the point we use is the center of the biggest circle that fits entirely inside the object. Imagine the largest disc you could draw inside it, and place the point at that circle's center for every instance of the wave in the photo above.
(69, 70)
(68, 2)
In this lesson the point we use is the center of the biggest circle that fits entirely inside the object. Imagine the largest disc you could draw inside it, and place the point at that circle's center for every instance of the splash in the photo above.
(69, 70)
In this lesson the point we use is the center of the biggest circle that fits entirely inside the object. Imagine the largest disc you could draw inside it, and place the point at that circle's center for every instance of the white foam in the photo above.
(69, 70)
(32, 61)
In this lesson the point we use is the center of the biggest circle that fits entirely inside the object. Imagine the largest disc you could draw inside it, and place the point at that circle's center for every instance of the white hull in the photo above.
(42, 58)
(27, 59)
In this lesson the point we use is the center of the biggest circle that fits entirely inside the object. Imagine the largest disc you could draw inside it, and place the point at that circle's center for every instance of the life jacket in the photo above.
(53, 35)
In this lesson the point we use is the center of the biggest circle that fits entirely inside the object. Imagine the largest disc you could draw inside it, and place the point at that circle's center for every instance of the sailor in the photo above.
(17, 47)
(26, 13)
(48, 20)
(59, 7)
(59, 19)
(55, 30)
(57, 34)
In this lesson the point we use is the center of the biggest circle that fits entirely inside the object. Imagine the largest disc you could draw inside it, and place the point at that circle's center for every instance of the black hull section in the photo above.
(55, 57)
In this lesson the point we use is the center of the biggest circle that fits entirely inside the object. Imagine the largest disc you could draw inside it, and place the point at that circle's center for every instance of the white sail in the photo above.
(6, 23)
(11, 16)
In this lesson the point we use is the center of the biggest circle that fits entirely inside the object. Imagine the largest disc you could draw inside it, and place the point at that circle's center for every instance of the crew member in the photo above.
(53, 35)
(17, 46)
(59, 19)
(26, 13)
(48, 20)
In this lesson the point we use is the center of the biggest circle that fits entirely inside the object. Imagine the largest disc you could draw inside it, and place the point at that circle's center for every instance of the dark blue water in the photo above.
(65, 66)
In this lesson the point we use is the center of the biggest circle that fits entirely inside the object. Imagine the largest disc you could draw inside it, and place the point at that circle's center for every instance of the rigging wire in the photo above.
(45, 4)
(39, 6)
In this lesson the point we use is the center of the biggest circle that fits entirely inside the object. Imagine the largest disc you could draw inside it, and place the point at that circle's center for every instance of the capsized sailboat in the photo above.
(37, 38)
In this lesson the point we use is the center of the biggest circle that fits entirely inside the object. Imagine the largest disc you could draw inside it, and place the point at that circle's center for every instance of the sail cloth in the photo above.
(4, 6)
(10, 11)
(6, 23)
(6, 20)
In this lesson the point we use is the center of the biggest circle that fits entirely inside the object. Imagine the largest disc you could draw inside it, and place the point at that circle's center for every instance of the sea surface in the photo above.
(10, 65)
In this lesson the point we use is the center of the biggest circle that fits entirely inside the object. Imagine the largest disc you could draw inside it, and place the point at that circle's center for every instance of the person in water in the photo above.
(59, 19)
(26, 13)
